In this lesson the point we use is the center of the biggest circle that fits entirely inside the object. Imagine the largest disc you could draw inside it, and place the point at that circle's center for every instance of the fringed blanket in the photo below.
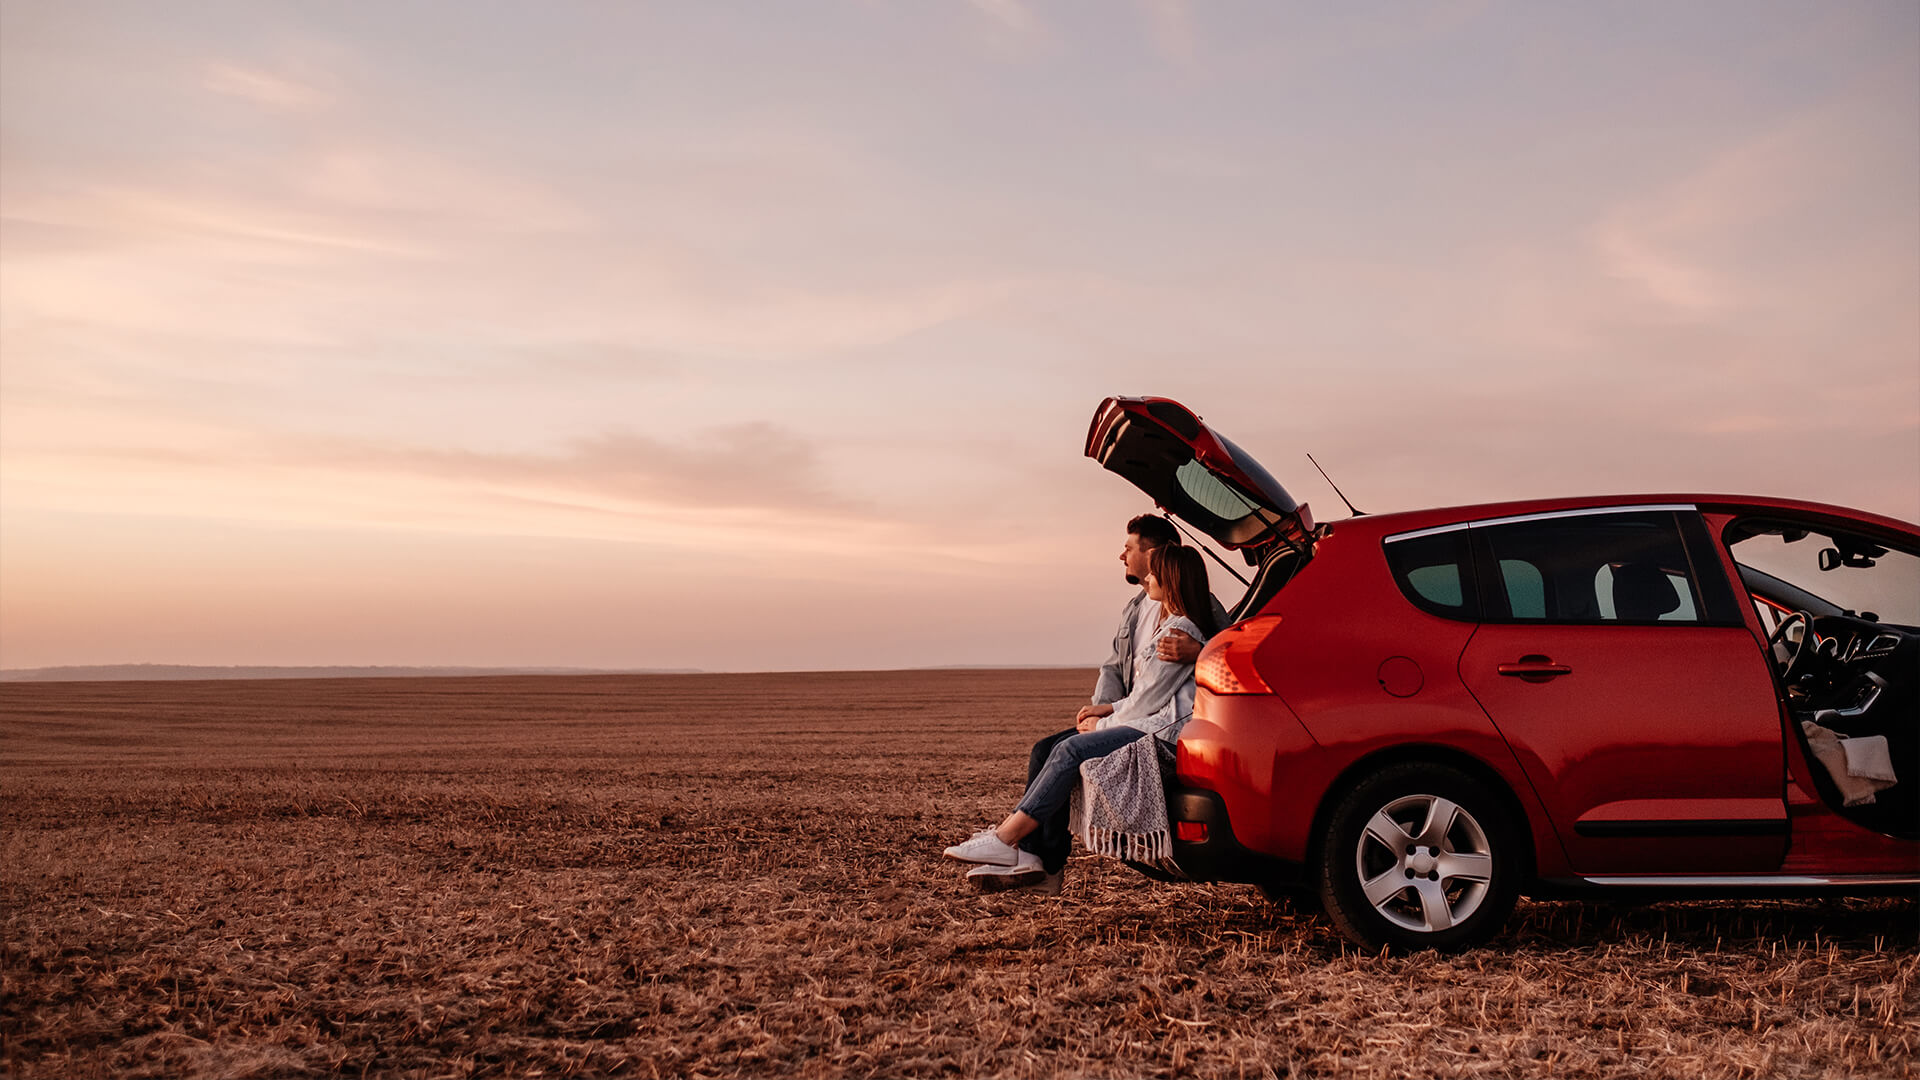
(1120, 807)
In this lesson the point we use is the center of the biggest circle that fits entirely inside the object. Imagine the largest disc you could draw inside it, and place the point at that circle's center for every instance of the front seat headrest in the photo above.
(1642, 592)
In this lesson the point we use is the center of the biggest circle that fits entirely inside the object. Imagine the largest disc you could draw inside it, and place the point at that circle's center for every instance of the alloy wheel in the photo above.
(1424, 863)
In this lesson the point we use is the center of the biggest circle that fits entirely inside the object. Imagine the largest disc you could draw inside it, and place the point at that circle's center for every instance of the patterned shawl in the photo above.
(1119, 808)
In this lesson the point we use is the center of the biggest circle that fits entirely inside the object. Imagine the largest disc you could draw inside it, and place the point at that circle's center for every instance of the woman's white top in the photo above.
(1162, 694)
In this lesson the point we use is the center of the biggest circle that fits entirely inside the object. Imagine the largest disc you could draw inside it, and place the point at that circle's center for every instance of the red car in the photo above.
(1417, 717)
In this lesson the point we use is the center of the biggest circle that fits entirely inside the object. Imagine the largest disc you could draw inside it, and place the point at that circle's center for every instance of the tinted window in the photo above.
(1603, 595)
(1435, 573)
(1601, 568)
(1438, 584)
(1526, 592)
(1213, 494)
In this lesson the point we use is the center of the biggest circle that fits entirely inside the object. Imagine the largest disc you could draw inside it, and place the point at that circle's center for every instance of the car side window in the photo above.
(1526, 589)
(1603, 595)
(1435, 572)
(1592, 568)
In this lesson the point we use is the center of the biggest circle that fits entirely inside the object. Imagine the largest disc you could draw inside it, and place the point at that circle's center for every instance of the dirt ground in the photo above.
(741, 875)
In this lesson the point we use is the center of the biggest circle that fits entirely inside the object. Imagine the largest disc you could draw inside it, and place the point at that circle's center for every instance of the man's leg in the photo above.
(1053, 840)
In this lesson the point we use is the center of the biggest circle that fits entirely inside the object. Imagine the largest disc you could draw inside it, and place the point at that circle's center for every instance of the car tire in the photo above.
(1419, 856)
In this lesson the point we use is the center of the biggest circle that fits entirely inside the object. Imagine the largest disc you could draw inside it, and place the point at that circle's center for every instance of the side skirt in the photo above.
(1651, 887)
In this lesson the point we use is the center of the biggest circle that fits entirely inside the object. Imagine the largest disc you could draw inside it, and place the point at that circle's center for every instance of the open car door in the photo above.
(1199, 476)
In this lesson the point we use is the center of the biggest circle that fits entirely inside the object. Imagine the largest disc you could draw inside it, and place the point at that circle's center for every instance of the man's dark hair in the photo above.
(1153, 530)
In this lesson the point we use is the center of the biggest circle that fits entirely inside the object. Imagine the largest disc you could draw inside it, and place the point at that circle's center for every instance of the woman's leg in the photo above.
(1045, 804)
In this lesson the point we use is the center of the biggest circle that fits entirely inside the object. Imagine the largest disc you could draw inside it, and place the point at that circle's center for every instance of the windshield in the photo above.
(1851, 572)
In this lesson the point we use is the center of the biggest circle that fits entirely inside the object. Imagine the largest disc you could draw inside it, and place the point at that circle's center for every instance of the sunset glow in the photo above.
(670, 335)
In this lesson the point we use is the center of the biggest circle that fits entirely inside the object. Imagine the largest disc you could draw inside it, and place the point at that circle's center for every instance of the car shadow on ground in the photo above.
(1852, 924)
(1869, 923)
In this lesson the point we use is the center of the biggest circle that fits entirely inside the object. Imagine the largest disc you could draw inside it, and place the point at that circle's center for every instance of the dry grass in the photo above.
(725, 875)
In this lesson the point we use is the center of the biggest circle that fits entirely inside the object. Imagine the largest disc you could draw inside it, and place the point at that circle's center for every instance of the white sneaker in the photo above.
(986, 848)
(1027, 874)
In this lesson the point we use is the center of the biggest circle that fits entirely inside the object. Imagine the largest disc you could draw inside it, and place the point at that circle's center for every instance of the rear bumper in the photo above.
(1220, 856)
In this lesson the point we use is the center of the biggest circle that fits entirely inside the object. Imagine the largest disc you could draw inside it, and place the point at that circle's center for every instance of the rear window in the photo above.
(1605, 568)
(1435, 573)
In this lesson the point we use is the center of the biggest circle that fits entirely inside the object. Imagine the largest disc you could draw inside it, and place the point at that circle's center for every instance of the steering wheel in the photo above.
(1800, 660)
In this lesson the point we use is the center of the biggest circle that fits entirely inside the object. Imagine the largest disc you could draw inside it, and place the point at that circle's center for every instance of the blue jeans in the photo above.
(1053, 768)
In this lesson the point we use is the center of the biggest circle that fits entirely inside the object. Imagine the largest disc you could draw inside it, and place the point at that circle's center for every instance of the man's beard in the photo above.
(1131, 580)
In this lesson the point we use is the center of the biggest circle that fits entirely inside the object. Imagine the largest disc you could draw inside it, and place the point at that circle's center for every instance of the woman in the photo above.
(1161, 702)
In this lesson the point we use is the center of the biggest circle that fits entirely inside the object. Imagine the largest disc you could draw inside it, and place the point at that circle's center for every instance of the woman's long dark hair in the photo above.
(1183, 575)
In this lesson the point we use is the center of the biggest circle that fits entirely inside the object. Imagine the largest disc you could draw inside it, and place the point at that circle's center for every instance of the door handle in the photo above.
(1535, 669)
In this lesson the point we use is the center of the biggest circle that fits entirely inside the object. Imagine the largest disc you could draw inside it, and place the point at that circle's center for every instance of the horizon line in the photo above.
(147, 672)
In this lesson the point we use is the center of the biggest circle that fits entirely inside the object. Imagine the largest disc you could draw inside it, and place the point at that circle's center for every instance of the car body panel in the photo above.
(1731, 778)
(1330, 669)
(1659, 751)
(1251, 750)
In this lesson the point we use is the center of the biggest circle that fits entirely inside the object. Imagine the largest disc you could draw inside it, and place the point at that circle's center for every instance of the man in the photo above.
(1053, 840)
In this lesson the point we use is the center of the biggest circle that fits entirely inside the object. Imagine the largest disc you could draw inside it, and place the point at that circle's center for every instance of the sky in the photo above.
(765, 337)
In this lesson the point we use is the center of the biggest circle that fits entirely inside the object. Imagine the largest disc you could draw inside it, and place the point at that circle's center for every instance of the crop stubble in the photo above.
(740, 874)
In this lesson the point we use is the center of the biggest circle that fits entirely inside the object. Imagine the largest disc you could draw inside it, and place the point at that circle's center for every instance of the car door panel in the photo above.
(1820, 840)
(1657, 751)
(1613, 663)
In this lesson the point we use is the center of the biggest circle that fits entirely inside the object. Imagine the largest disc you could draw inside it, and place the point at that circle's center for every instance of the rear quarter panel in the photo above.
(1276, 759)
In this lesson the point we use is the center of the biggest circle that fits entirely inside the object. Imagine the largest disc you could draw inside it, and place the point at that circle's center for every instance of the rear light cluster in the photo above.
(1226, 665)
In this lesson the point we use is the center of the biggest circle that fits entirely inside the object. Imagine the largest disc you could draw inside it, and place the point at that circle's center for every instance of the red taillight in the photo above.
(1226, 664)
(1193, 832)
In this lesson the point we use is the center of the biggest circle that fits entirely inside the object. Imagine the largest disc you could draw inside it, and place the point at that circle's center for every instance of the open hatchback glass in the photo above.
(1199, 476)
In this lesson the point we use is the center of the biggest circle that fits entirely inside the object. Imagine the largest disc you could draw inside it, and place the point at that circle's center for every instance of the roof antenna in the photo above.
(1335, 487)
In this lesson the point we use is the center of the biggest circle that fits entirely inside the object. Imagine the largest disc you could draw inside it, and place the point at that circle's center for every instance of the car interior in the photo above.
(1850, 672)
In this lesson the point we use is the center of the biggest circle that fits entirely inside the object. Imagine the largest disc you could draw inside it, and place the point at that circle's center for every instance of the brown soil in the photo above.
(740, 874)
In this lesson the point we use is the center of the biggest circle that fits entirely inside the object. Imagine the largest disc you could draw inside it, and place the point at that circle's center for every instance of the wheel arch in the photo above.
(1423, 754)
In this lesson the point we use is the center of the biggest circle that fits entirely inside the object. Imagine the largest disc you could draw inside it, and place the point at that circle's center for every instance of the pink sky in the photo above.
(668, 335)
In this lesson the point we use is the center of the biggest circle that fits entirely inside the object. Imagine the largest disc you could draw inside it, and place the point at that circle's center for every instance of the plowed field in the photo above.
(718, 875)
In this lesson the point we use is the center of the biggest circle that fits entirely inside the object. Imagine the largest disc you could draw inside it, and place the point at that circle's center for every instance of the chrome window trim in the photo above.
(1549, 515)
(1418, 533)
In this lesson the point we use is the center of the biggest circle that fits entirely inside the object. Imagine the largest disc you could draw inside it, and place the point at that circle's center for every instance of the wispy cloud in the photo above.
(1170, 26)
(1759, 220)
(704, 294)
(754, 466)
(1013, 15)
(734, 467)
(265, 88)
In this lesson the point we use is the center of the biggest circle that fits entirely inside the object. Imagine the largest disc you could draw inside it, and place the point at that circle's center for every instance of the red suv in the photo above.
(1417, 717)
